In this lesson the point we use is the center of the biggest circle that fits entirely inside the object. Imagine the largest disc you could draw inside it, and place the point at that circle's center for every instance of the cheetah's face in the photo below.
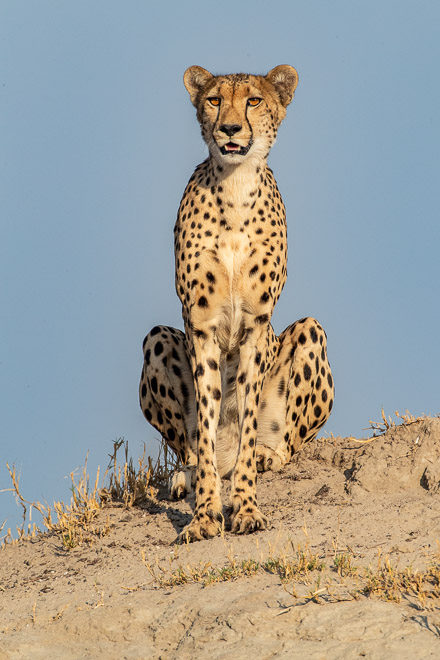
(239, 114)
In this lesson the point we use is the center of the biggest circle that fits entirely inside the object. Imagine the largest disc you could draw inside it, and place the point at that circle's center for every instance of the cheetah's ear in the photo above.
(195, 79)
(285, 79)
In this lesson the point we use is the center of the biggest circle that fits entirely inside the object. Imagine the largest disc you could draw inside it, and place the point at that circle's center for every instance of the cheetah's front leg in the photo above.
(205, 360)
(246, 515)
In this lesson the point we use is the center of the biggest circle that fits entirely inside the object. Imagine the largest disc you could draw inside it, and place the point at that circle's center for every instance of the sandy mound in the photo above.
(299, 589)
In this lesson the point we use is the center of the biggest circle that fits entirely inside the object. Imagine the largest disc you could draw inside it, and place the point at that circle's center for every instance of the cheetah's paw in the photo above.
(268, 459)
(182, 482)
(202, 526)
(248, 519)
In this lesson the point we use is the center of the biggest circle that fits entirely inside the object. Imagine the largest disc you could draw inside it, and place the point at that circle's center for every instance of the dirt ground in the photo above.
(339, 508)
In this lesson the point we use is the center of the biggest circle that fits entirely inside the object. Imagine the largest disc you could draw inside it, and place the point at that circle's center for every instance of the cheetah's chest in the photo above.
(233, 254)
(233, 251)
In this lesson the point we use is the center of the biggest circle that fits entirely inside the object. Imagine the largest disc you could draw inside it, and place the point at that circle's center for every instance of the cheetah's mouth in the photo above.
(233, 148)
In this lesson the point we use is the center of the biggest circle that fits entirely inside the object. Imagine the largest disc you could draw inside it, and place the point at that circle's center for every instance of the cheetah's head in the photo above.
(239, 114)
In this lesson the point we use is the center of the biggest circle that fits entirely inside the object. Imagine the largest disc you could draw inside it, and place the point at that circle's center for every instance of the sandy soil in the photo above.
(366, 501)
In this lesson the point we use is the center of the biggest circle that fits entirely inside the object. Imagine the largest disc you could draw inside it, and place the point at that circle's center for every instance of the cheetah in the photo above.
(228, 395)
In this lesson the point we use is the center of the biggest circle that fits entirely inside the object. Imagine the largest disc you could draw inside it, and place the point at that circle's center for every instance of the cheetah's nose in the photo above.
(230, 129)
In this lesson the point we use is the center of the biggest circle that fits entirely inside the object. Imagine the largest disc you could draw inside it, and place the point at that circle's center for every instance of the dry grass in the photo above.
(297, 563)
(76, 522)
(305, 576)
(392, 584)
(379, 428)
(134, 487)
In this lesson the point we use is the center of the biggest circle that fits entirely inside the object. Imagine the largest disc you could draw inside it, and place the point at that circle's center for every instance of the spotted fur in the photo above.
(228, 395)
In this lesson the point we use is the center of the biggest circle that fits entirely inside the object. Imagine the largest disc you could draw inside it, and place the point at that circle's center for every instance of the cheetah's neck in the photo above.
(240, 183)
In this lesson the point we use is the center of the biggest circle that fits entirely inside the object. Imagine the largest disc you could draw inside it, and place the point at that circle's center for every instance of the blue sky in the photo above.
(97, 141)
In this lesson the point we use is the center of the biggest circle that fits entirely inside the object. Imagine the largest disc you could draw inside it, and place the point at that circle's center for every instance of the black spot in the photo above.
(162, 390)
(307, 372)
(275, 427)
(144, 391)
(159, 417)
(158, 349)
(297, 380)
(153, 383)
(155, 330)
(168, 413)
(330, 405)
(204, 400)
(298, 400)
(313, 335)
(303, 431)
(202, 302)
(148, 415)
(324, 395)
(200, 370)
(281, 387)
(147, 356)
(210, 277)
(242, 378)
(262, 319)
(212, 364)
(265, 297)
(258, 358)
(253, 270)
(330, 380)
(302, 338)
(318, 411)
(176, 370)
(216, 394)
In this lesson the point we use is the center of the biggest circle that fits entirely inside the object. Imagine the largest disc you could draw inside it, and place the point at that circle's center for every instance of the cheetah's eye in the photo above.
(214, 100)
(254, 101)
